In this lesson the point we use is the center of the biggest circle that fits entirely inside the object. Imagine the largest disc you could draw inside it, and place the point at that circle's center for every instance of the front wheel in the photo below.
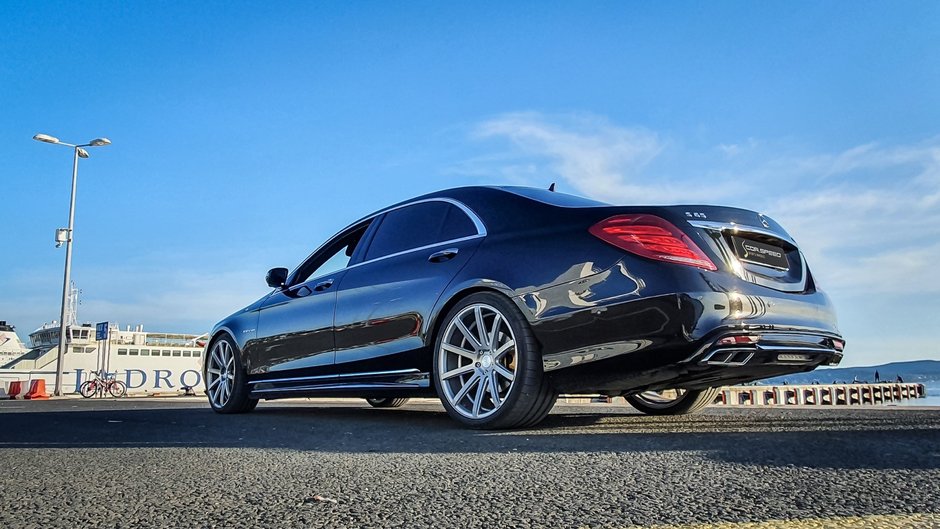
(117, 389)
(487, 366)
(226, 381)
(672, 401)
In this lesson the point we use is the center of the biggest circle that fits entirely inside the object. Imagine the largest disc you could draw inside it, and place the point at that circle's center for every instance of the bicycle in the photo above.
(102, 384)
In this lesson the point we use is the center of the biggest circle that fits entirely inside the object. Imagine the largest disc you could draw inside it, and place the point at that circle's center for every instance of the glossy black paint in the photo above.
(606, 320)
(276, 277)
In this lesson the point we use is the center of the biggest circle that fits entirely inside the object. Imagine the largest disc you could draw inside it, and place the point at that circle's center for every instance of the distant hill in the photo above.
(916, 371)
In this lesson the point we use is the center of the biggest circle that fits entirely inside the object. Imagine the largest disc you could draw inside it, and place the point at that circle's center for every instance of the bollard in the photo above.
(809, 396)
(16, 387)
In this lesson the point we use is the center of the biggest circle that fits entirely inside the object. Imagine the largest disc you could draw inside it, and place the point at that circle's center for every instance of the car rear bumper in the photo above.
(701, 365)
(731, 332)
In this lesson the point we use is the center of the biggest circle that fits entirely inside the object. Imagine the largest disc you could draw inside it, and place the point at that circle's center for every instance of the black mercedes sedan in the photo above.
(497, 299)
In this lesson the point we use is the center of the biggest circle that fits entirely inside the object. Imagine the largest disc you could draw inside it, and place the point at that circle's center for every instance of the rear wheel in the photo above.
(487, 366)
(88, 388)
(672, 401)
(226, 381)
(386, 402)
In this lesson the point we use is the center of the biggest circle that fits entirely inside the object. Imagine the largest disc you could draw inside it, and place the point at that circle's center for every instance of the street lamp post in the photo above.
(80, 152)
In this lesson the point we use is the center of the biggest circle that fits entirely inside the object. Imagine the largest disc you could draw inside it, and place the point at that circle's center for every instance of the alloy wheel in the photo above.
(477, 361)
(663, 398)
(220, 373)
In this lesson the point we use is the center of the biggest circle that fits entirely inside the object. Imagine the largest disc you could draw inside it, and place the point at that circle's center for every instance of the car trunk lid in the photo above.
(752, 245)
(748, 244)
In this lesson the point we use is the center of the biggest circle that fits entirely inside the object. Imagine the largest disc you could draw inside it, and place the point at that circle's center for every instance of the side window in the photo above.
(332, 258)
(456, 224)
(419, 225)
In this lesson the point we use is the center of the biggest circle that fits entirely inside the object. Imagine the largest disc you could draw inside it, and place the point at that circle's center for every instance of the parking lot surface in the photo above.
(174, 463)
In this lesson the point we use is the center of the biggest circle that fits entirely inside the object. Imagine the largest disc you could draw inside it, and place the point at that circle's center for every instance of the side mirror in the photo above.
(276, 277)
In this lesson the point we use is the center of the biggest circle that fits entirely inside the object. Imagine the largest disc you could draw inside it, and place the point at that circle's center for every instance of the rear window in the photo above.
(554, 198)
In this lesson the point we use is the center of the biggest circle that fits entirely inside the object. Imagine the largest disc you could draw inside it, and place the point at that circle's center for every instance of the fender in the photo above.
(459, 289)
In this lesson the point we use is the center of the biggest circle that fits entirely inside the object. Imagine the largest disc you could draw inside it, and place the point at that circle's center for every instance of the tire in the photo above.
(117, 389)
(88, 389)
(493, 379)
(664, 403)
(226, 380)
(387, 402)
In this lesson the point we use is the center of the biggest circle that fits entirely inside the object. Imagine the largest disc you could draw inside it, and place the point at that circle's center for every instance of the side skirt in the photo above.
(407, 382)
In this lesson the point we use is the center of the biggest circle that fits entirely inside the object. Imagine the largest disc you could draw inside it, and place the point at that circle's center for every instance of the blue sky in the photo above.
(246, 133)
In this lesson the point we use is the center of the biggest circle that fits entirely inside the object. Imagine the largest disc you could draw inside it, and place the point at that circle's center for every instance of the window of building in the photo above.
(122, 352)
(187, 353)
(134, 352)
(177, 352)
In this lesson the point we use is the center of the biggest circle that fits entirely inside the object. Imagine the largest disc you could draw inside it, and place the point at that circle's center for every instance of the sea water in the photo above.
(932, 399)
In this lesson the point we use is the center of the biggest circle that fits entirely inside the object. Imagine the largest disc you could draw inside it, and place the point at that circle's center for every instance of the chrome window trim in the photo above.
(340, 376)
(420, 248)
(477, 223)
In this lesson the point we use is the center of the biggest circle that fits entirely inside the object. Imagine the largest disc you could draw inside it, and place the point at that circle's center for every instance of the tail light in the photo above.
(652, 237)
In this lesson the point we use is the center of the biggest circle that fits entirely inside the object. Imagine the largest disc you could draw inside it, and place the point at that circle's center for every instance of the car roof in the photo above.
(499, 206)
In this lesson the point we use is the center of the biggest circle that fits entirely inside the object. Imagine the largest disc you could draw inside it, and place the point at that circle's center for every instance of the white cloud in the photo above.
(195, 301)
(587, 152)
(171, 299)
(867, 217)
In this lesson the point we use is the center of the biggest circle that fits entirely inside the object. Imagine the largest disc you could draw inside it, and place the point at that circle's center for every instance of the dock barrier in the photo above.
(14, 389)
(37, 390)
(853, 394)
(820, 394)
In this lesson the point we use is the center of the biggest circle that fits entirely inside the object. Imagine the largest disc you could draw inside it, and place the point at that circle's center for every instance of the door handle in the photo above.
(443, 255)
(323, 285)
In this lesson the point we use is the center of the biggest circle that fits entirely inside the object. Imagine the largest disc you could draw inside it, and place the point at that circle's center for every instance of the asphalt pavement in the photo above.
(173, 463)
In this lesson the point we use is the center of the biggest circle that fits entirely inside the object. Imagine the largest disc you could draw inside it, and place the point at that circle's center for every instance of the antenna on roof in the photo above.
(552, 187)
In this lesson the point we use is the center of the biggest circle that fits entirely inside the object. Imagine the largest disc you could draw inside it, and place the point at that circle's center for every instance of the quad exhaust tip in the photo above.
(738, 350)
(732, 357)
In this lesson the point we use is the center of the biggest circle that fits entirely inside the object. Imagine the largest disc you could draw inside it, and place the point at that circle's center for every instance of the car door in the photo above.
(383, 303)
(295, 324)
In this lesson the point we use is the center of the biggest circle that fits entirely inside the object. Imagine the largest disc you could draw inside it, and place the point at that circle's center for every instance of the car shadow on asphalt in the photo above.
(881, 439)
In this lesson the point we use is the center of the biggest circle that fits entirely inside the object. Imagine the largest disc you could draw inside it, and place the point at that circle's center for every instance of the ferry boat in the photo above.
(11, 347)
(147, 362)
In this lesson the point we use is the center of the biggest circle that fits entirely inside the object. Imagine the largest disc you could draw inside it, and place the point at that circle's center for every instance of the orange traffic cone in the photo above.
(37, 390)
(15, 388)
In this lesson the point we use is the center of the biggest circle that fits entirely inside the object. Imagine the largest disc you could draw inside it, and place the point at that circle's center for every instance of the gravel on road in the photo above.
(169, 463)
